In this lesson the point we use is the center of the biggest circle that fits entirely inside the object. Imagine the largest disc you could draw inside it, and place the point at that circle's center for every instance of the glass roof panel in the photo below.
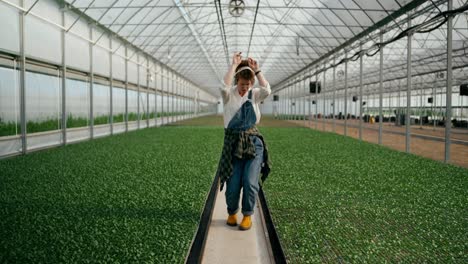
(288, 35)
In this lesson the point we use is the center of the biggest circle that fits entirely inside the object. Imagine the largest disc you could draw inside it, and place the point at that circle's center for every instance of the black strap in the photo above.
(250, 94)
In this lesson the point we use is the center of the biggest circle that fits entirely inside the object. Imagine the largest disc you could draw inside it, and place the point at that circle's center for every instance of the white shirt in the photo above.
(232, 100)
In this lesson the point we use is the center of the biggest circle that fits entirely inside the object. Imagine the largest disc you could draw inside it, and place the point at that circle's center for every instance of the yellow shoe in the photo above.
(246, 223)
(232, 220)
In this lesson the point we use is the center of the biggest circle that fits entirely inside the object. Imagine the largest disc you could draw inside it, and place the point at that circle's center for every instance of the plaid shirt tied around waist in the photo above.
(238, 144)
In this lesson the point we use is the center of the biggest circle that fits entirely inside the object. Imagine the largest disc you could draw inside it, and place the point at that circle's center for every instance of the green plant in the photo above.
(101, 120)
(336, 199)
(132, 116)
(42, 126)
(118, 118)
(9, 128)
(134, 197)
(73, 121)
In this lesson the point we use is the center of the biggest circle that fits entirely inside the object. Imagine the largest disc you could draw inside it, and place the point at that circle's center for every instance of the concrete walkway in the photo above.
(226, 244)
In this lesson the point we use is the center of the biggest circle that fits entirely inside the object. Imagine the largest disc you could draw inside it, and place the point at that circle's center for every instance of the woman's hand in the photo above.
(236, 59)
(253, 64)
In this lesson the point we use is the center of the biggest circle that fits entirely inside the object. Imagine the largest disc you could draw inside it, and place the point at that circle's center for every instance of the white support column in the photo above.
(310, 102)
(283, 104)
(361, 106)
(448, 104)
(167, 96)
(182, 98)
(288, 116)
(408, 89)
(177, 98)
(296, 100)
(24, 138)
(91, 84)
(171, 93)
(316, 100)
(148, 74)
(185, 97)
(346, 97)
(323, 95)
(293, 101)
(334, 96)
(421, 108)
(139, 115)
(126, 89)
(398, 115)
(280, 103)
(155, 95)
(293, 97)
(173, 101)
(111, 84)
(304, 100)
(168, 81)
(162, 94)
(433, 105)
(64, 80)
(381, 90)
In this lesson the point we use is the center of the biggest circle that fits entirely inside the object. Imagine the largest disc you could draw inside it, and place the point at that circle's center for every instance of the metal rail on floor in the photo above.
(275, 244)
(198, 244)
(197, 247)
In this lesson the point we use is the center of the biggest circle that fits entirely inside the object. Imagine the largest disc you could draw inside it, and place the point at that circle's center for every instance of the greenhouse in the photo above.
(234, 131)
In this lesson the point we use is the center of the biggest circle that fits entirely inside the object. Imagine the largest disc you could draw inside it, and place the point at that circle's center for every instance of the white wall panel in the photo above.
(77, 49)
(118, 63)
(101, 54)
(143, 72)
(38, 32)
(101, 61)
(152, 79)
(132, 72)
(118, 68)
(9, 27)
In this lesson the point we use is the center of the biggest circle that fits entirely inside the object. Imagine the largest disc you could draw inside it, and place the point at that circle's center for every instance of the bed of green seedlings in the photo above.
(337, 200)
(137, 197)
(134, 197)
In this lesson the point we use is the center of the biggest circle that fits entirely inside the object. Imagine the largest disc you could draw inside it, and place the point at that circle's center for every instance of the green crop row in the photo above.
(129, 198)
(334, 199)
(174, 113)
(293, 117)
(12, 128)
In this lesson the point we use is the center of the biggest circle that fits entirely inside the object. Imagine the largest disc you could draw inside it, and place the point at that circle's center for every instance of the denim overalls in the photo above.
(246, 171)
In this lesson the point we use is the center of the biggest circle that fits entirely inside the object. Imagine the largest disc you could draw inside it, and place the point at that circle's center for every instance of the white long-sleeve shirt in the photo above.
(232, 100)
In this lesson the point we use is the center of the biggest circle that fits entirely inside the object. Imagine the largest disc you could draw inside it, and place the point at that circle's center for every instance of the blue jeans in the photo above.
(245, 175)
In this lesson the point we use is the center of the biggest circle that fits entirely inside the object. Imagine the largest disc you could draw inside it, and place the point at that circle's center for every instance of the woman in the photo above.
(244, 154)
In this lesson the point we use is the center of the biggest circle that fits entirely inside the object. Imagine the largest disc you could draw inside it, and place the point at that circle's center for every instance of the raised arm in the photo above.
(265, 89)
(236, 60)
